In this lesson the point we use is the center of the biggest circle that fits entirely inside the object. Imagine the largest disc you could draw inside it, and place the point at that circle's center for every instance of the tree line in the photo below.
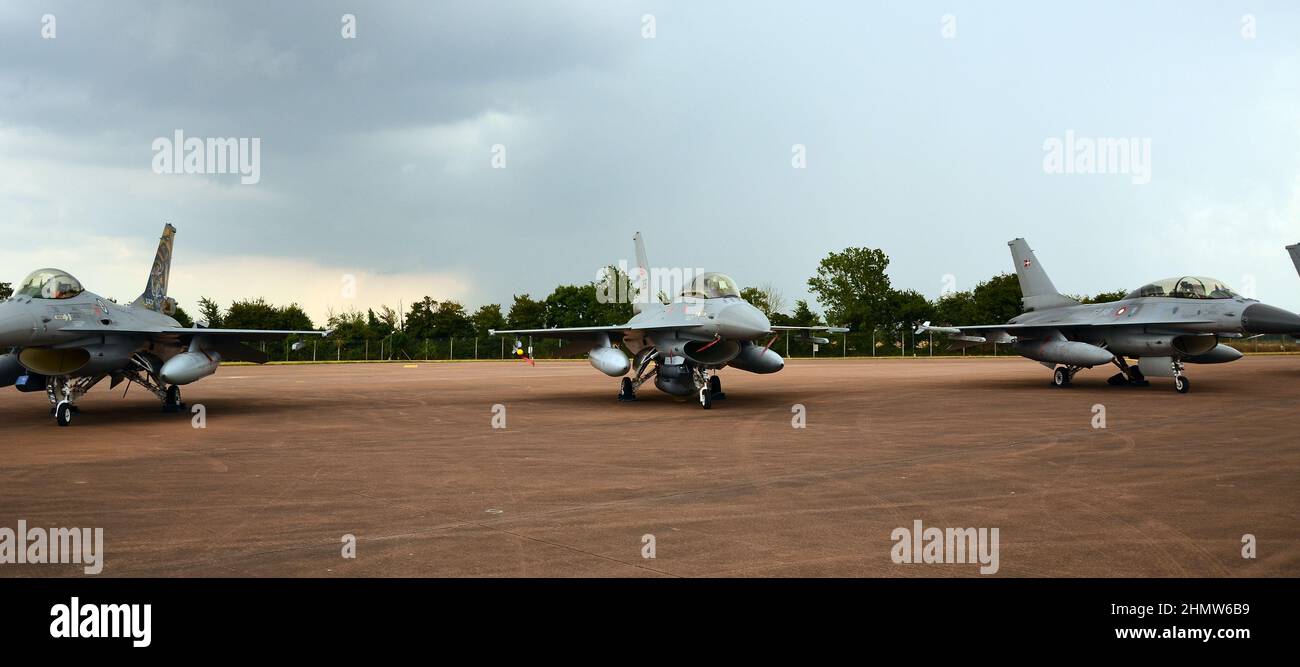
(851, 286)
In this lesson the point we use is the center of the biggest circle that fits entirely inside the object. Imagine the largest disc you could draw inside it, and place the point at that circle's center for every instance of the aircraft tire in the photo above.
(1182, 384)
(715, 388)
(63, 413)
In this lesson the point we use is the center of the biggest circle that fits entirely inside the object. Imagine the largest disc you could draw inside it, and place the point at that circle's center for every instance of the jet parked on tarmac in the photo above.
(682, 344)
(65, 340)
(1163, 325)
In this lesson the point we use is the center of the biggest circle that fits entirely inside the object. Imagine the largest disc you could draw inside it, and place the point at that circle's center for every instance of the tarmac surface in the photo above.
(406, 459)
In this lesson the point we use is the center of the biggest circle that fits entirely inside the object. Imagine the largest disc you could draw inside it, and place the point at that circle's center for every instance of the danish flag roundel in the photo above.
(1121, 311)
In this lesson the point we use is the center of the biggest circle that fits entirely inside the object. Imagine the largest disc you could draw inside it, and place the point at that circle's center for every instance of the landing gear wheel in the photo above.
(715, 388)
(706, 398)
(1061, 378)
(63, 413)
(172, 403)
(1182, 384)
(626, 391)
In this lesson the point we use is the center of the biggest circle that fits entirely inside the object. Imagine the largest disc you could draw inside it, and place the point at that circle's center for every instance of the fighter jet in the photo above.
(683, 342)
(1163, 325)
(64, 340)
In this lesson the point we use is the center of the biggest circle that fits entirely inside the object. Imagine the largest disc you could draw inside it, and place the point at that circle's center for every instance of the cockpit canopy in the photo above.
(1187, 287)
(49, 284)
(711, 286)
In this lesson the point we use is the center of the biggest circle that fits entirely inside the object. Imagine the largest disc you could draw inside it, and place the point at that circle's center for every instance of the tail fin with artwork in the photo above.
(154, 296)
(1036, 289)
(1295, 255)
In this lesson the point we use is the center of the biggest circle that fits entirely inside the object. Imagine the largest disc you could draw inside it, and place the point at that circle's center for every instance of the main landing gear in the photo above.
(1132, 376)
(1127, 375)
(1064, 375)
(172, 400)
(644, 371)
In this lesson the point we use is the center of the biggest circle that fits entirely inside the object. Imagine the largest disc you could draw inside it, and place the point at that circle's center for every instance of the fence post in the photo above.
(451, 348)
(476, 348)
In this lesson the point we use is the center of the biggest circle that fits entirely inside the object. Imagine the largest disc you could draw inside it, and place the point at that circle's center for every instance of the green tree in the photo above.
(853, 288)
(1105, 297)
(487, 318)
(614, 294)
(294, 318)
(765, 297)
(211, 313)
(449, 319)
(955, 309)
(908, 308)
(996, 300)
(526, 313)
(183, 318)
(252, 314)
(6, 290)
(804, 315)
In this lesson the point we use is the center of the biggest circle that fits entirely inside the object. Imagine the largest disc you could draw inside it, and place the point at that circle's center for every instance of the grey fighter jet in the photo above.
(1163, 325)
(683, 342)
(64, 340)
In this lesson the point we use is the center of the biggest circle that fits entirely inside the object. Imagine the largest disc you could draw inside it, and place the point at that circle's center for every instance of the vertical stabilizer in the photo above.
(642, 275)
(1295, 255)
(1036, 289)
(154, 296)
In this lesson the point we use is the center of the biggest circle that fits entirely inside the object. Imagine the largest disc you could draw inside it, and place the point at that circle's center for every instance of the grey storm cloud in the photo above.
(376, 151)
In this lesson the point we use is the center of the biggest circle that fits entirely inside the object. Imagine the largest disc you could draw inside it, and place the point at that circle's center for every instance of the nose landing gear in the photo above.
(1181, 383)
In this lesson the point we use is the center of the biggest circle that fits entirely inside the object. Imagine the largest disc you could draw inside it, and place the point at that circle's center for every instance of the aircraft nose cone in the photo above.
(743, 322)
(1260, 318)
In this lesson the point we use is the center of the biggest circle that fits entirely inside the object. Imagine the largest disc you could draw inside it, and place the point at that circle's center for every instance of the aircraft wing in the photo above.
(818, 328)
(189, 332)
(1010, 333)
(588, 332)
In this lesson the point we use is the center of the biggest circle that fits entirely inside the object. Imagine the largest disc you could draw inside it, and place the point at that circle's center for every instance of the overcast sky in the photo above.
(924, 126)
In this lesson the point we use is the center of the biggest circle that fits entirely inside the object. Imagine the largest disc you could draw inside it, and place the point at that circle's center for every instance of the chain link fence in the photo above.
(882, 343)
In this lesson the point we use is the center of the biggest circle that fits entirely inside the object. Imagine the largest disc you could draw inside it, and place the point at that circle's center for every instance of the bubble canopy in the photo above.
(712, 286)
(1186, 287)
(49, 284)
